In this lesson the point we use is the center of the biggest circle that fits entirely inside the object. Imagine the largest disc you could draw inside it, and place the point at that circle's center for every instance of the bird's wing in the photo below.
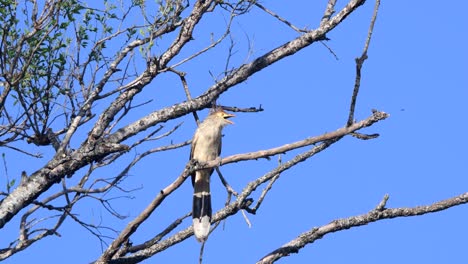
(219, 145)
(194, 144)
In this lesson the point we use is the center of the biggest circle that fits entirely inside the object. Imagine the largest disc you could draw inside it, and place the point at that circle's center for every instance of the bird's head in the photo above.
(222, 117)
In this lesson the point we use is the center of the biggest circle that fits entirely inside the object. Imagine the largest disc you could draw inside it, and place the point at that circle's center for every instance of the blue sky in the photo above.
(416, 72)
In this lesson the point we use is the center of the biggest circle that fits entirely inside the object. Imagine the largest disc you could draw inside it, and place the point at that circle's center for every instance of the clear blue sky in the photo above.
(416, 72)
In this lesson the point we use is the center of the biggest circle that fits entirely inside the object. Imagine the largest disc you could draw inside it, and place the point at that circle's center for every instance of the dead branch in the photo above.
(379, 213)
(360, 62)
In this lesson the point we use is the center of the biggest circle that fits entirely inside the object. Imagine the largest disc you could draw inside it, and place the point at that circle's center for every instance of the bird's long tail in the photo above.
(201, 212)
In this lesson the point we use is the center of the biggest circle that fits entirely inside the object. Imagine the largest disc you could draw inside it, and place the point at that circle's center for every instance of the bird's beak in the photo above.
(226, 116)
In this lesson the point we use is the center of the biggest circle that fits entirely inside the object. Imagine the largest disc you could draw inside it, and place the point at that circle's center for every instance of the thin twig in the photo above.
(228, 187)
(243, 110)
(37, 155)
(359, 63)
(202, 249)
(289, 24)
(212, 45)
(266, 190)
(158, 237)
(186, 90)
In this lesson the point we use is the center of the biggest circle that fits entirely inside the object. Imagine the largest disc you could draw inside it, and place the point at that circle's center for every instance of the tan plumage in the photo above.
(206, 146)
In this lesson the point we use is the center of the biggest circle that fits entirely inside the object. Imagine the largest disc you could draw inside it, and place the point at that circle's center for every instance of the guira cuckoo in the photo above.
(206, 146)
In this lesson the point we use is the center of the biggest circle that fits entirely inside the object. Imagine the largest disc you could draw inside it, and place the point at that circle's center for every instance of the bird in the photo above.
(206, 146)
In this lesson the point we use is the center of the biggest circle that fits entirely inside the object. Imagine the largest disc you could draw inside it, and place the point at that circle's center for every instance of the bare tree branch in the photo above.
(359, 63)
(379, 213)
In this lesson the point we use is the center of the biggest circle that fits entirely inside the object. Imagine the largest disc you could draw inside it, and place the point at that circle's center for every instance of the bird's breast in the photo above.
(207, 147)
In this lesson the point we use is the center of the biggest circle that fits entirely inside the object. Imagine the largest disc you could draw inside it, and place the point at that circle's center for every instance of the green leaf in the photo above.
(11, 184)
